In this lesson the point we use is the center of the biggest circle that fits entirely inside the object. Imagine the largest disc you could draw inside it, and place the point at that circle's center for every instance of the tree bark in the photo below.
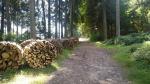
(56, 17)
(118, 18)
(32, 19)
(2, 20)
(8, 17)
(66, 19)
(71, 17)
(104, 20)
(49, 19)
(44, 19)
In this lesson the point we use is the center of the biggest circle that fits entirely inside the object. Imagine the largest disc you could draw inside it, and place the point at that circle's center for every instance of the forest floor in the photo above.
(89, 65)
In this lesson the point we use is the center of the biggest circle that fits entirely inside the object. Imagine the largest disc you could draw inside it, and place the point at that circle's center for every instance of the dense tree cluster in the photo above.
(24, 19)
(99, 18)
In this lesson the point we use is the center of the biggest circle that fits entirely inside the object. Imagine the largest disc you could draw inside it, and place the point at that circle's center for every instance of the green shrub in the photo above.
(142, 54)
(96, 37)
(134, 47)
(130, 39)
(9, 37)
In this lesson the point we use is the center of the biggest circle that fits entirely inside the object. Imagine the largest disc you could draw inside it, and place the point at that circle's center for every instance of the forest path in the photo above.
(88, 65)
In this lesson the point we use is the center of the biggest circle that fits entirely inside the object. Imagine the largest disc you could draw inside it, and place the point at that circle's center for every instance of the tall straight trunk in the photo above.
(59, 25)
(118, 18)
(56, 32)
(104, 20)
(32, 19)
(2, 20)
(17, 19)
(49, 19)
(61, 17)
(38, 18)
(44, 19)
(66, 19)
(8, 17)
(56, 18)
(17, 30)
(71, 17)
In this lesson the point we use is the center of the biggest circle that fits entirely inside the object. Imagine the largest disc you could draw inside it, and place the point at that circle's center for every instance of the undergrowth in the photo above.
(137, 72)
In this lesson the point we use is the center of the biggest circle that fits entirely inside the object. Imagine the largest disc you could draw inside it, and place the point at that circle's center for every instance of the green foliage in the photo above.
(130, 39)
(96, 36)
(14, 37)
(21, 37)
(137, 72)
(9, 37)
(142, 54)
(134, 47)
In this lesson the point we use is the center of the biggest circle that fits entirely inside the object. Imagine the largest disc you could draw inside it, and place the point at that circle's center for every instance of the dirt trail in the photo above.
(88, 65)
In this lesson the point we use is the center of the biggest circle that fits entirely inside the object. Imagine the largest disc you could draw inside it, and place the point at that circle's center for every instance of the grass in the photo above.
(137, 72)
(26, 75)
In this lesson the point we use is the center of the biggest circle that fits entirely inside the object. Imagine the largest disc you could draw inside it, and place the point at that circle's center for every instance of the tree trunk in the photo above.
(8, 18)
(56, 26)
(118, 18)
(71, 17)
(32, 19)
(104, 20)
(44, 20)
(49, 19)
(66, 19)
(61, 17)
(56, 19)
(2, 20)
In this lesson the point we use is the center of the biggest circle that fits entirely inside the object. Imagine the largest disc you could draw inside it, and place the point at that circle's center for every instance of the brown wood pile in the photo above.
(39, 54)
(57, 44)
(67, 43)
(26, 42)
(10, 55)
(35, 53)
(75, 40)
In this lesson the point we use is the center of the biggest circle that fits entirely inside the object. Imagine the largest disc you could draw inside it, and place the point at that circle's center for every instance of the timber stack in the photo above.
(57, 44)
(39, 54)
(75, 40)
(26, 42)
(10, 55)
(67, 43)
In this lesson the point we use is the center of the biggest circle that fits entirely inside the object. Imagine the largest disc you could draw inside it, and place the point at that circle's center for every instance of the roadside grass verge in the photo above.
(136, 72)
(27, 75)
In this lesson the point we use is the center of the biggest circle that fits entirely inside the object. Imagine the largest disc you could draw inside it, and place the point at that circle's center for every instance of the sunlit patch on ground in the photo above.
(27, 75)
(56, 65)
(99, 43)
(83, 39)
(29, 79)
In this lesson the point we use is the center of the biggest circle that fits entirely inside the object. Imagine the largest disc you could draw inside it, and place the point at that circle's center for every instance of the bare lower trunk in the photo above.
(32, 19)
(104, 20)
(8, 18)
(49, 19)
(118, 18)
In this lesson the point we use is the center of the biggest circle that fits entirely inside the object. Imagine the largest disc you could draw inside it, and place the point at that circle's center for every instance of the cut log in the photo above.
(67, 43)
(5, 55)
(40, 53)
(11, 53)
(57, 44)
(27, 42)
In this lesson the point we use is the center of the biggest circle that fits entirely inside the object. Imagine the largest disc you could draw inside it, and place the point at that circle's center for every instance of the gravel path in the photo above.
(88, 65)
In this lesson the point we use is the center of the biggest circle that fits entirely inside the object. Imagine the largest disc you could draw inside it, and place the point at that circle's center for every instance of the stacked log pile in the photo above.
(10, 55)
(57, 44)
(39, 54)
(26, 42)
(75, 40)
(35, 53)
(67, 43)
